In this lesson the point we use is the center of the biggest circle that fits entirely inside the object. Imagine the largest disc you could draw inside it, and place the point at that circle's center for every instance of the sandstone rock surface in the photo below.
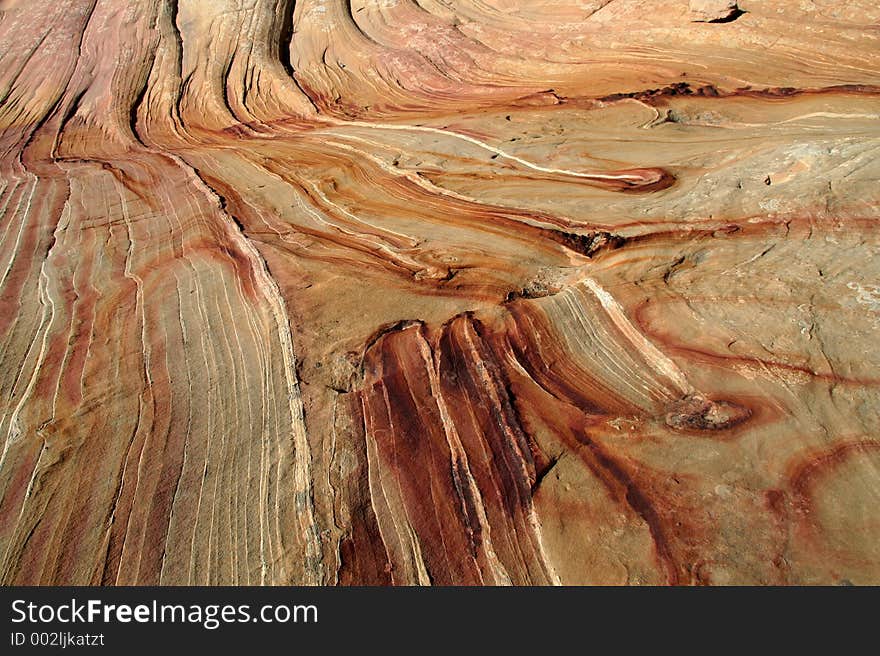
(414, 292)
(714, 11)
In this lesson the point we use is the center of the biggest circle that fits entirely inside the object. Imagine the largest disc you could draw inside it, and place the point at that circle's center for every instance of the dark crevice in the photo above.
(178, 38)
(221, 200)
(732, 16)
(226, 71)
(285, 38)
(542, 474)
(71, 110)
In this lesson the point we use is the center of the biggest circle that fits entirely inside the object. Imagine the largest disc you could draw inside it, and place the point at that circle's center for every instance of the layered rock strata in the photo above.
(425, 292)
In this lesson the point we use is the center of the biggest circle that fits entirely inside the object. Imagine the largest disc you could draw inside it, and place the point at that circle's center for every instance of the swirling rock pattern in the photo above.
(416, 291)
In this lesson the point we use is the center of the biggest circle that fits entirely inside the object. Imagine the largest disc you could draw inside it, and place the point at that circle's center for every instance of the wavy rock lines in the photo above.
(489, 293)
